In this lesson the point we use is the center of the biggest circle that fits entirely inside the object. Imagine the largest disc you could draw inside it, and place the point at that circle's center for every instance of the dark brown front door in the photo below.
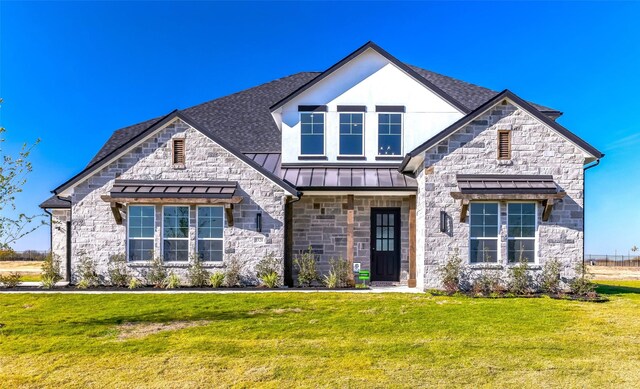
(385, 244)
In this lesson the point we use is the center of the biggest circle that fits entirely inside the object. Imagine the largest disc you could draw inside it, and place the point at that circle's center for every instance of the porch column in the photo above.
(288, 242)
(350, 222)
(412, 242)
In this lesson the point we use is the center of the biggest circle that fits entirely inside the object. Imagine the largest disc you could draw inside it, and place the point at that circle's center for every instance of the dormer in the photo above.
(367, 108)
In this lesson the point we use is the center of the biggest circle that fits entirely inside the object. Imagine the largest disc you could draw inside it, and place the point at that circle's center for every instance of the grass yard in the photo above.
(318, 339)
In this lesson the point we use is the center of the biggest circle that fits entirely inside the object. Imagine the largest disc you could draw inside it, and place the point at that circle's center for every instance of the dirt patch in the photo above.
(128, 331)
(615, 273)
(22, 267)
(278, 311)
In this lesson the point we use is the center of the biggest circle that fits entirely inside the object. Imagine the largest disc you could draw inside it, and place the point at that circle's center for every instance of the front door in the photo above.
(385, 244)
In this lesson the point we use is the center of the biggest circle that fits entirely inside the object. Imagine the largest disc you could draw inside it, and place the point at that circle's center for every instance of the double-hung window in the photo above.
(351, 134)
(484, 226)
(210, 233)
(521, 232)
(312, 133)
(389, 134)
(140, 231)
(175, 235)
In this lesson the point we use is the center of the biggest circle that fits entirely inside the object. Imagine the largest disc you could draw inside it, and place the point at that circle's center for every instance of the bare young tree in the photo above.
(13, 176)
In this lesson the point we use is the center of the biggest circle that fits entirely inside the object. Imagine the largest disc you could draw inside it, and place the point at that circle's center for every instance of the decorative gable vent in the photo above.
(178, 151)
(504, 144)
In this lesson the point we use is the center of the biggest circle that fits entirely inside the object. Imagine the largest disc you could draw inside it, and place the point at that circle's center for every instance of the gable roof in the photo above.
(55, 202)
(506, 94)
(93, 167)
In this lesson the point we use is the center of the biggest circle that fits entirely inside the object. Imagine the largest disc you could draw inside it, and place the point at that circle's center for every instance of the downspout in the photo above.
(584, 204)
(288, 263)
(50, 230)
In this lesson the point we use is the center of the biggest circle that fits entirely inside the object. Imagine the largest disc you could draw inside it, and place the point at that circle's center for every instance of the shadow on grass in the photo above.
(617, 289)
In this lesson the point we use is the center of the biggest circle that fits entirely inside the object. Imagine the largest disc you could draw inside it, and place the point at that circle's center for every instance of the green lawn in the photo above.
(328, 339)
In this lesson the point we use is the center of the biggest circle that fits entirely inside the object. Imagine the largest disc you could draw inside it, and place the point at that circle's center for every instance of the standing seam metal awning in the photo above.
(506, 184)
(347, 177)
(173, 189)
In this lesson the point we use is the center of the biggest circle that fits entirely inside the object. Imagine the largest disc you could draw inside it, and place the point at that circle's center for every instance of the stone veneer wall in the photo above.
(59, 238)
(97, 236)
(536, 149)
(321, 221)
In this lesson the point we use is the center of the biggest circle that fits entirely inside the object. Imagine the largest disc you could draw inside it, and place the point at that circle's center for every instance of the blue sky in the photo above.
(73, 72)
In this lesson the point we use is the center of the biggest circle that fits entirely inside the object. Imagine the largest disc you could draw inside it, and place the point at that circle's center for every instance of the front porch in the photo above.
(374, 232)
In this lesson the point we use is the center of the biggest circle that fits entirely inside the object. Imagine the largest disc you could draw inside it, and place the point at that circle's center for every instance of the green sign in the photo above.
(363, 275)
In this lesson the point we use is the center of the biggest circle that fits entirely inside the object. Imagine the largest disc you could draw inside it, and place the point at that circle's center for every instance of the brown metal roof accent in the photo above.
(173, 189)
(506, 184)
(347, 177)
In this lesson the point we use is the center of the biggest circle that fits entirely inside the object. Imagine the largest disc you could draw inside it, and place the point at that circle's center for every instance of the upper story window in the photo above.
(483, 234)
(389, 134)
(312, 133)
(140, 231)
(175, 236)
(351, 134)
(504, 144)
(210, 233)
(521, 232)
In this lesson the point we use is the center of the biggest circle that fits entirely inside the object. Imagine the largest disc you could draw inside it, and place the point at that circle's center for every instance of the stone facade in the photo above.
(535, 150)
(95, 234)
(321, 222)
(59, 219)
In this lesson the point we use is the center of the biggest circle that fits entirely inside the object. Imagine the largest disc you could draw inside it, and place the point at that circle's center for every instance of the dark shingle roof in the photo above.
(244, 120)
(54, 202)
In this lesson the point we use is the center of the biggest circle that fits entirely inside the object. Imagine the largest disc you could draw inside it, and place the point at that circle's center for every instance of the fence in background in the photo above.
(28, 255)
(613, 260)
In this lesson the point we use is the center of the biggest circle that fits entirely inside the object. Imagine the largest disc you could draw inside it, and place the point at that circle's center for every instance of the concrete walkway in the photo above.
(378, 289)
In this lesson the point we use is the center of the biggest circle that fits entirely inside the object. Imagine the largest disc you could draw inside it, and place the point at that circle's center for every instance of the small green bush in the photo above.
(196, 274)
(519, 283)
(338, 276)
(582, 285)
(87, 273)
(451, 273)
(233, 272)
(83, 284)
(10, 280)
(172, 281)
(306, 264)
(157, 273)
(134, 283)
(550, 278)
(216, 279)
(117, 270)
(50, 272)
(488, 282)
(268, 271)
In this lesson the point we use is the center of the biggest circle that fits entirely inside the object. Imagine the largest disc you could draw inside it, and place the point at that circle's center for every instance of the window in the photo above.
(521, 232)
(484, 224)
(351, 134)
(178, 151)
(140, 230)
(175, 238)
(312, 133)
(504, 144)
(210, 233)
(389, 134)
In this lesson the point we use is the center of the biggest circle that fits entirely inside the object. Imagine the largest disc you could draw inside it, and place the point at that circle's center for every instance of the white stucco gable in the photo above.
(371, 78)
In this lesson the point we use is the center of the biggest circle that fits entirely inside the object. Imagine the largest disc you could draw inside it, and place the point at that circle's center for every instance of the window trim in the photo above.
(127, 237)
(401, 134)
(324, 133)
(224, 220)
(162, 238)
(535, 235)
(497, 238)
(498, 156)
(363, 133)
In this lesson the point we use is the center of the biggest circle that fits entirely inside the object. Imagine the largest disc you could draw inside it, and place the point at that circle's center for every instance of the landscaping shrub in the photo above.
(157, 273)
(582, 285)
(10, 280)
(268, 271)
(451, 273)
(117, 270)
(488, 282)
(550, 278)
(233, 272)
(87, 274)
(519, 283)
(306, 264)
(172, 281)
(338, 276)
(196, 274)
(216, 279)
(134, 283)
(50, 271)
